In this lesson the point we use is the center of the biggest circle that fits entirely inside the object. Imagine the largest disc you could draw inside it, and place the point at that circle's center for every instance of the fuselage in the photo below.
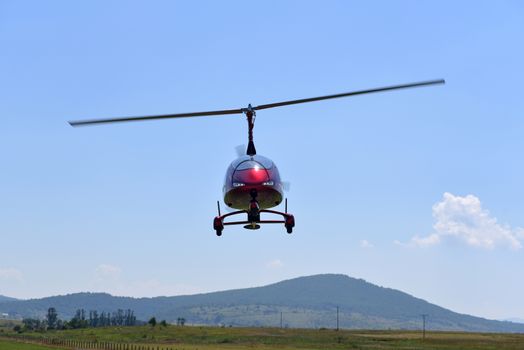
(252, 173)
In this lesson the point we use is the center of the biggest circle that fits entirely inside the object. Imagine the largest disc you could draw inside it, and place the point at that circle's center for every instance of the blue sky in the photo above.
(419, 190)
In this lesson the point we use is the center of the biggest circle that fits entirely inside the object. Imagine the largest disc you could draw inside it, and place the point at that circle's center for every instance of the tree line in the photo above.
(81, 319)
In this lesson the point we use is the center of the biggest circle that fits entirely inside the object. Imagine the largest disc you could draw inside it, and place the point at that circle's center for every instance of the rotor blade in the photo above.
(153, 117)
(353, 93)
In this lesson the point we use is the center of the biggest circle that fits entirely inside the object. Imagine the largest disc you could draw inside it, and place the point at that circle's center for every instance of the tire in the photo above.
(290, 223)
(218, 225)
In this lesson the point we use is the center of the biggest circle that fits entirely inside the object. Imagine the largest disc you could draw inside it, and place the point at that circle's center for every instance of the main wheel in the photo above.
(290, 223)
(218, 225)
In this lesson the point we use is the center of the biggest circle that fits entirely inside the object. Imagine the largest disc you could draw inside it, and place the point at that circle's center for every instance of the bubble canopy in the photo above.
(252, 162)
(252, 173)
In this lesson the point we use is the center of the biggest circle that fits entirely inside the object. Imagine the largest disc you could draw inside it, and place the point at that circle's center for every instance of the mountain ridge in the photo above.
(305, 302)
(6, 298)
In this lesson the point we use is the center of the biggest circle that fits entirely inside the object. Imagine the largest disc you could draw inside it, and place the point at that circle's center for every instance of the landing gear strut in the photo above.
(253, 214)
(253, 217)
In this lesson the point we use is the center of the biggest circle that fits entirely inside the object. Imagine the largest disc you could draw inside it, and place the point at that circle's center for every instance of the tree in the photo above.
(163, 323)
(129, 318)
(30, 324)
(94, 320)
(152, 321)
(118, 318)
(52, 318)
(105, 319)
(79, 321)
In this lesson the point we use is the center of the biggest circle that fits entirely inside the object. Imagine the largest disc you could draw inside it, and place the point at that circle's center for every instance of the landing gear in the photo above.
(253, 217)
(290, 223)
(218, 225)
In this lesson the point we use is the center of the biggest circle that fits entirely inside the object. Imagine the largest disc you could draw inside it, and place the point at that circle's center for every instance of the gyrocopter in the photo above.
(252, 184)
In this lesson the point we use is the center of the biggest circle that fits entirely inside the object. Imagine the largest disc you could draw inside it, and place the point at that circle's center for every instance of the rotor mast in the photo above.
(250, 116)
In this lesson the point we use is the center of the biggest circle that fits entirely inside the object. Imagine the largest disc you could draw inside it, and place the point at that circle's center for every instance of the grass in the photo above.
(207, 338)
(12, 345)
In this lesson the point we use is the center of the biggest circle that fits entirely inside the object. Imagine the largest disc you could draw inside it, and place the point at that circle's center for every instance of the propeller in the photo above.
(260, 107)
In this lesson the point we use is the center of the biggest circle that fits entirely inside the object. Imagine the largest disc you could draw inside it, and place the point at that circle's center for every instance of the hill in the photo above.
(4, 298)
(515, 319)
(305, 302)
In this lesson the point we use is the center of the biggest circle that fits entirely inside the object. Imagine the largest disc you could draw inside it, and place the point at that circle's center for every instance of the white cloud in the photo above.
(432, 239)
(275, 264)
(10, 273)
(520, 233)
(106, 271)
(366, 244)
(464, 219)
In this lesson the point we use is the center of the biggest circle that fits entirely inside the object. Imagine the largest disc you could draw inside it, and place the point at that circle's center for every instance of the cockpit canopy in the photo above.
(251, 170)
(252, 162)
(252, 173)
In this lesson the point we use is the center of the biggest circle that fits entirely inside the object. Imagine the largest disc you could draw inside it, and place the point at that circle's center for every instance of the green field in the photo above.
(10, 345)
(204, 338)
